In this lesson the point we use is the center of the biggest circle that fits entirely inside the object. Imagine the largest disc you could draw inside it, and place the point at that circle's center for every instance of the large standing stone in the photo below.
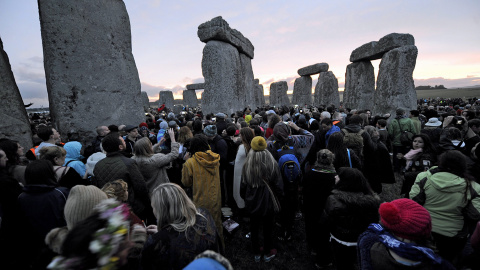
(218, 29)
(248, 89)
(278, 94)
(221, 68)
(375, 50)
(15, 124)
(260, 97)
(395, 86)
(195, 86)
(302, 91)
(326, 90)
(166, 97)
(177, 108)
(313, 69)
(145, 101)
(90, 70)
(359, 86)
(190, 98)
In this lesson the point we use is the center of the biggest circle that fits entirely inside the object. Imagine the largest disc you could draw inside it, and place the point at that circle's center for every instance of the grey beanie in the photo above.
(210, 130)
(81, 202)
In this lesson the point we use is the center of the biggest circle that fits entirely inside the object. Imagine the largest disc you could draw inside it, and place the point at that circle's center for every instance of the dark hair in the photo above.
(338, 148)
(44, 132)
(40, 172)
(326, 121)
(474, 122)
(427, 144)
(258, 131)
(199, 143)
(352, 180)
(197, 125)
(356, 119)
(314, 125)
(454, 162)
(415, 113)
(382, 122)
(231, 129)
(113, 128)
(10, 148)
(275, 119)
(111, 142)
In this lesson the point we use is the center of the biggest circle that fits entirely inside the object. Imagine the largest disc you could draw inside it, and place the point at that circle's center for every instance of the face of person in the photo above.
(417, 143)
(105, 130)
(122, 146)
(133, 133)
(20, 150)
(56, 135)
(59, 161)
(3, 159)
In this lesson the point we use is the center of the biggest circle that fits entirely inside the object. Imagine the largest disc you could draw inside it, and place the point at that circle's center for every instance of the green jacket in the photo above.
(417, 124)
(396, 126)
(445, 199)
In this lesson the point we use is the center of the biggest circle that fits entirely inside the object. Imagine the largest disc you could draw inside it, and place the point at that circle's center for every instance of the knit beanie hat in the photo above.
(163, 125)
(80, 203)
(281, 132)
(258, 143)
(210, 130)
(406, 218)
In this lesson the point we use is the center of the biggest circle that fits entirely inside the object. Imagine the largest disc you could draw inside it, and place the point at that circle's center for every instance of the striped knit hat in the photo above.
(80, 203)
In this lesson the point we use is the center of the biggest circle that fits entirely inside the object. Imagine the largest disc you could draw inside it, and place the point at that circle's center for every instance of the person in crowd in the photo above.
(317, 185)
(219, 146)
(273, 120)
(65, 176)
(402, 239)
(260, 188)
(246, 135)
(131, 138)
(471, 137)
(153, 166)
(93, 159)
(118, 190)
(344, 157)
(433, 129)
(209, 260)
(220, 123)
(183, 135)
(355, 138)
(444, 192)
(414, 114)
(13, 151)
(349, 210)
(117, 166)
(49, 137)
(182, 232)
(104, 240)
(95, 145)
(197, 127)
(395, 129)
(163, 127)
(73, 158)
(383, 134)
(145, 133)
(451, 139)
(201, 172)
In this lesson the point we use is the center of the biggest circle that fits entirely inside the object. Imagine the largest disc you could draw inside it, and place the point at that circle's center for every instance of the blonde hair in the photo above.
(184, 134)
(116, 190)
(52, 152)
(259, 166)
(172, 207)
(143, 147)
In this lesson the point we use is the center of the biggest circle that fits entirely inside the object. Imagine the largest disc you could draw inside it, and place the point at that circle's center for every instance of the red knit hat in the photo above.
(143, 124)
(406, 218)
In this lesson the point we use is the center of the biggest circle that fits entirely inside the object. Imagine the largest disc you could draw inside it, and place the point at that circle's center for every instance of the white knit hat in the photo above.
(80, 203)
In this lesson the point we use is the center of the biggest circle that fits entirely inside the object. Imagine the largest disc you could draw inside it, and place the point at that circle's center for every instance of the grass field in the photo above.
(450, 93)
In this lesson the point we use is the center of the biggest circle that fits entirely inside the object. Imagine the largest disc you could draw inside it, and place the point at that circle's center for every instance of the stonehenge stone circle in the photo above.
(259, 97)
(248, 81)
(395, 86)
(359, 86)
(166, 97)
(302, 91)
(89, 65)
(195, 86)
(375, 50)
(145, 101)
(313, 69)
(278, 94)
(15, 124)
(190, 98)
(326, 90)
(218, 29)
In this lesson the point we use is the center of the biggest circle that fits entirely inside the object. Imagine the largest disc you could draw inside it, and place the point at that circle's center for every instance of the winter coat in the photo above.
(434, 134)
(154, 168)
(74, 157)
(445, 199)
(237, 175)
(367, 140)
(378, 167)
(202, 173)
(301, 145)
(169, 249)
(219, 146)
(396, 126)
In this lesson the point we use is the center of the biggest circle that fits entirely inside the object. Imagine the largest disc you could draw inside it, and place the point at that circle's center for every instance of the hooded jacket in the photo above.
(445, 199)
(73, 155)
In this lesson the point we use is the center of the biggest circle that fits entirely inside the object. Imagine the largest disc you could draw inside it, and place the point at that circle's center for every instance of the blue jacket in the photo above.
(73, 154)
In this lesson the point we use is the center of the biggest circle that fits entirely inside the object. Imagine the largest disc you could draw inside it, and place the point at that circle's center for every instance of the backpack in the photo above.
(406, 137)
(354, 141)
(288, 163)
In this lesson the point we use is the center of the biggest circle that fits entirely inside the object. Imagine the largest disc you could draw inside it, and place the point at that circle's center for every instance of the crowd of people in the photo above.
(153, 195)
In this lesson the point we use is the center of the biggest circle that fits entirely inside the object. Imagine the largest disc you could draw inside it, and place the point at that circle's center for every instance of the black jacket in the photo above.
(258, 201)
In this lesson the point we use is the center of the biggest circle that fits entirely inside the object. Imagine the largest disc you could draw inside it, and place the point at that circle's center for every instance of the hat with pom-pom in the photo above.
(258, 143)
(406, 218)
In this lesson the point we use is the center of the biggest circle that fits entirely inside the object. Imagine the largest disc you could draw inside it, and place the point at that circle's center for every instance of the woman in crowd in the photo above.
(65, 176)
(183, 231)
(13, 151)
(153, 166)
(183, 135)
(274, 119)
(118, 190)
(317, 185)
(73, 158)
(344, 157)
(402, 240)
(444, 192)
(421, 157)
(260, 188)
(348, 212)
(246, 135)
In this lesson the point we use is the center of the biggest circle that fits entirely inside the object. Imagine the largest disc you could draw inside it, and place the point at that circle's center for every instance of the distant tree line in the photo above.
(428, 87)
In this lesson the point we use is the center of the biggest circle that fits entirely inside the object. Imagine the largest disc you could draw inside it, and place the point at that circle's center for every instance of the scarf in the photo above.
(410, 156)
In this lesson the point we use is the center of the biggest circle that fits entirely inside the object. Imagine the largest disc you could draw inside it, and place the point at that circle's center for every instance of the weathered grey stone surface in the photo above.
(222, 71)
(177, 108)
(395, 87)
(218, 29)
(359, 86)
(166, 97)
(302, 91)
(89, 67)
(15, 124)
(259, 97)
(375, 50)
(278, 94)
(195, 86)
(190, 98)
(145, 101)
(326, 90)
(248, 89)
(313, 69)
